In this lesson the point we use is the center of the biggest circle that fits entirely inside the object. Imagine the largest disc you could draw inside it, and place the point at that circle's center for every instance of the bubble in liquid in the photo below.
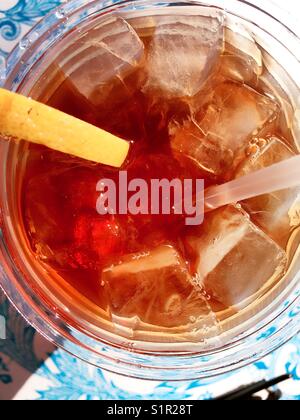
(60, 13)
(24, 44)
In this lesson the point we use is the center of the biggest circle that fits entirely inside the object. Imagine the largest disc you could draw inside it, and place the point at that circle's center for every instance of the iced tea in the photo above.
(194, 106)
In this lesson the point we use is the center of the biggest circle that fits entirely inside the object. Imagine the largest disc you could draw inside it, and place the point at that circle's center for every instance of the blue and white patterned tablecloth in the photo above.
(30, 368)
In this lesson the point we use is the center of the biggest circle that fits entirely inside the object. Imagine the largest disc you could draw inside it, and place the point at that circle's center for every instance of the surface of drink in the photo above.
(194, 106)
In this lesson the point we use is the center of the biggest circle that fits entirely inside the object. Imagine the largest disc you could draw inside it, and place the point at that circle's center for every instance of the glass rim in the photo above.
(269, 335)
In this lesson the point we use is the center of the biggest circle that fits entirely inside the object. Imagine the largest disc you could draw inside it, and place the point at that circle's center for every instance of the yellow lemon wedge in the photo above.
(22, 118)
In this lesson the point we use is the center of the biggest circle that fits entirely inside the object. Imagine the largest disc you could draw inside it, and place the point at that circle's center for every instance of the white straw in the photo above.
(277, 177)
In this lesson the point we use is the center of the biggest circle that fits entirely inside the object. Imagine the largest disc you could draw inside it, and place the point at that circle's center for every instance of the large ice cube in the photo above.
(104, 72)
(219, 140)
(108, 51)
(156, 287)
(236, 113)
(242, 59)
(234, 259)
(276, 213)
(183, 53)
(189, 139)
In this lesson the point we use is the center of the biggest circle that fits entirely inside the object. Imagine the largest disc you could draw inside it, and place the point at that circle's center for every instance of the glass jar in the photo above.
(56, 310)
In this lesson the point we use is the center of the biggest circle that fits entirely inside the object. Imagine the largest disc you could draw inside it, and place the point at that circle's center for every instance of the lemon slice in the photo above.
(22, 118)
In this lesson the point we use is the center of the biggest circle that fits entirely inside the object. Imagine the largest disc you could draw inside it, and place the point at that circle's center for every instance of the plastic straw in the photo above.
(277, 177)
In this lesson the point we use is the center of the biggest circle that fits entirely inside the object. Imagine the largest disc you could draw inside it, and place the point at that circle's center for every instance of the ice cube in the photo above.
(104, 53)
(218, 139)
(237, 113)
(277, 213)
(242, 59)
(182, 54)
(100, 235)
(233, 258)
(67, 98)
(156, 287)
(58, 91)
(269, 84)
(189, 140)
(238, 68)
